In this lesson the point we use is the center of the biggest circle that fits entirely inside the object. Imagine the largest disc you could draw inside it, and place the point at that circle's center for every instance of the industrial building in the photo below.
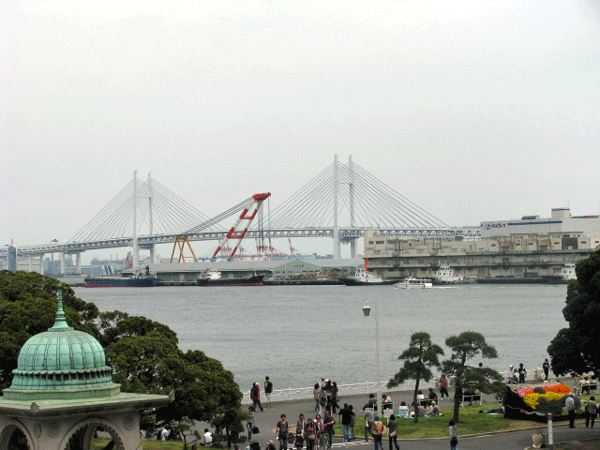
(530, 249)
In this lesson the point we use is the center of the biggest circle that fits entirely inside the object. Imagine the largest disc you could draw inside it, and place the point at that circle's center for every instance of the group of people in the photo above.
(317, 433)
(516, 375)
(255, 394)
(326, 395)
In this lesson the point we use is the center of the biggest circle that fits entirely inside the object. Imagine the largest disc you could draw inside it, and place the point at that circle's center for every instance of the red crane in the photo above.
(239, 230)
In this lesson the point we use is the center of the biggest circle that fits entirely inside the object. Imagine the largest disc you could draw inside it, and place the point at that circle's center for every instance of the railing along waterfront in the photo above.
(368, 387)
(306, 393)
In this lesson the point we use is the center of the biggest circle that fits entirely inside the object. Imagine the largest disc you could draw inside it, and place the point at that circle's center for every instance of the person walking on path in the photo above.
(444, 387)
(310, 434)
(352, 422)
(255, 396)
(546, 367)
(346, 416)
(378, 430)
(590, 411)
(268, 391)
(453, 435)
(392, 432)
(282, 432)
(328, 423)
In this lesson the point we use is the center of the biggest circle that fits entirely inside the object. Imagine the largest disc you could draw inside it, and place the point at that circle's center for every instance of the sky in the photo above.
(473, 110)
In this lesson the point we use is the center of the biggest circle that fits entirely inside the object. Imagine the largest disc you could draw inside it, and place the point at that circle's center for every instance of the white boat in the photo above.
(414, 283)
(567, 273)
(445, 275)
(362, 277)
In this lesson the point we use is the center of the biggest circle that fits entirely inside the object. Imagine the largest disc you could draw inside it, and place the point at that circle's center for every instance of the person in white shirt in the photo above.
(164, 433)
(207, 437)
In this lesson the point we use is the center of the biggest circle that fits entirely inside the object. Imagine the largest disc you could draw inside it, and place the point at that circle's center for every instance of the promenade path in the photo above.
(267, 420)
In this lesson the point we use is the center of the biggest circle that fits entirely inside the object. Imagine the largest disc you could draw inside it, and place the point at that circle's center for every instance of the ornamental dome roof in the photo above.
(61, 359)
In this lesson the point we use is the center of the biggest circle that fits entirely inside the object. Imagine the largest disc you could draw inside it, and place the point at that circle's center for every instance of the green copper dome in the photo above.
(61, 359)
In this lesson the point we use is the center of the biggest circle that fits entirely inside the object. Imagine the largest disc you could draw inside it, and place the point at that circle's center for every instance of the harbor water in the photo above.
(296, 334)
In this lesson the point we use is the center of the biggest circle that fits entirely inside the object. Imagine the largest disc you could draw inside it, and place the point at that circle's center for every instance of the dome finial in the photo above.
(61, 323)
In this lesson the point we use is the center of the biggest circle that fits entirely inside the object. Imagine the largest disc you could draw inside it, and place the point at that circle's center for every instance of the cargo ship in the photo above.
(213, 278)
(141, 279)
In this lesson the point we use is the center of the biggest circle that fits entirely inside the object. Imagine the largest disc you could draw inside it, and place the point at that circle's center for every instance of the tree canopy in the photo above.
(419, 357)
(466, 346)
(575, 349)
(143, 354)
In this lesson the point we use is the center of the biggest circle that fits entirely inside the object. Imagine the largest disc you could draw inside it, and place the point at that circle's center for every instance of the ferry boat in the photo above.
(414, 283)
(213, 278)
(567, 273)
(362, 277)
(445, 275)
(139, 279)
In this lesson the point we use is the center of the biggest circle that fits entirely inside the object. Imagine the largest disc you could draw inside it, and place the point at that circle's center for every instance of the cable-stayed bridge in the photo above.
(341, 202)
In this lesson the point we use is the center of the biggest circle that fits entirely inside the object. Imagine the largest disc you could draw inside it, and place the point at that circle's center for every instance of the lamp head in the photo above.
(366, 310)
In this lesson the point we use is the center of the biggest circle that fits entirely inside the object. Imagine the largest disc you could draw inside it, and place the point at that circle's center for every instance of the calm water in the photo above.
(296, 334)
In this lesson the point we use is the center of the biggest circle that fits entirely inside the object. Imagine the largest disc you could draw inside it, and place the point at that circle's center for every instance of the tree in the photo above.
(27, 307)
(575, 349)
(420, 355)
(143, 354)
(466, 346)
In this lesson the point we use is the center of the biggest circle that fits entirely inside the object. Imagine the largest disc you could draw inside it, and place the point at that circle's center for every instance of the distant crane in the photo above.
(239, 230)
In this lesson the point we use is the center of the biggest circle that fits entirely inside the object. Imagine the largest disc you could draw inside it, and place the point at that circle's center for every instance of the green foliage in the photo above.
(142, 353)
(575, 349)
(27, 307)
(419, 357)
(466, 346)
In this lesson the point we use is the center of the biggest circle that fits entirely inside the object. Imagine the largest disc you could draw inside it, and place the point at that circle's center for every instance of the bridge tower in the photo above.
(336, 192)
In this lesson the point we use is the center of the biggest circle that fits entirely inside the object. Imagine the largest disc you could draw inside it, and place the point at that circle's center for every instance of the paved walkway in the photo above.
(267, 420)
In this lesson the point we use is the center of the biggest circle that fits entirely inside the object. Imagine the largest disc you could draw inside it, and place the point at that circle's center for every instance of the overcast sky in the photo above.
(475, 111)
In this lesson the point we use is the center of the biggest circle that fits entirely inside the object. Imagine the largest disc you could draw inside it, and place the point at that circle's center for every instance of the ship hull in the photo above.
(121, 282)
(255, 280)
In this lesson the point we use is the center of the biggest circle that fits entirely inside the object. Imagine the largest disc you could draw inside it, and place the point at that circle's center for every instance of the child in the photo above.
(453, 435)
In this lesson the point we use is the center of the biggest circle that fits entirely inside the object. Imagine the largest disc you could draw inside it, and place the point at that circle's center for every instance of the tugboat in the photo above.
(213, 278)
(362, 277)
(567, 273)
(445, 275)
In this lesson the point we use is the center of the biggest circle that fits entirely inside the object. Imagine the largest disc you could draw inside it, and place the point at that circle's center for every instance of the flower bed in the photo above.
(535, 401)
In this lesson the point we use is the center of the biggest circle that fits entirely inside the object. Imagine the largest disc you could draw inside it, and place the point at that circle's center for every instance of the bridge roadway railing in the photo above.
(145, 241)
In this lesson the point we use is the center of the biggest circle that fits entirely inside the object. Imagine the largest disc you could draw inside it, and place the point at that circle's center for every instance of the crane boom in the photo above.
(239, 230)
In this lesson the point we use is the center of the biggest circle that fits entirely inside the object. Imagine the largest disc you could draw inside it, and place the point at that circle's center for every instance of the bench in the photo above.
(471, 398)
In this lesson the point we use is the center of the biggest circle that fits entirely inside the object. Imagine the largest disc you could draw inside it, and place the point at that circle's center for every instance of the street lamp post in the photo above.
(366, 312)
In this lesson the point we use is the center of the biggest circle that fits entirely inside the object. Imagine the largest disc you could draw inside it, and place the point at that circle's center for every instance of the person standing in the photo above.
(393, 432)
(346, 416)
(250, 422)
(282, 432)
(453, 435)
(378, 430)
(368, 413)
(570, 405)
(316, 396)
(522, 373)
(255, 396)
(444, 387)
(546, 367)
(268, 391)
(328, 424)
(590, 411)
